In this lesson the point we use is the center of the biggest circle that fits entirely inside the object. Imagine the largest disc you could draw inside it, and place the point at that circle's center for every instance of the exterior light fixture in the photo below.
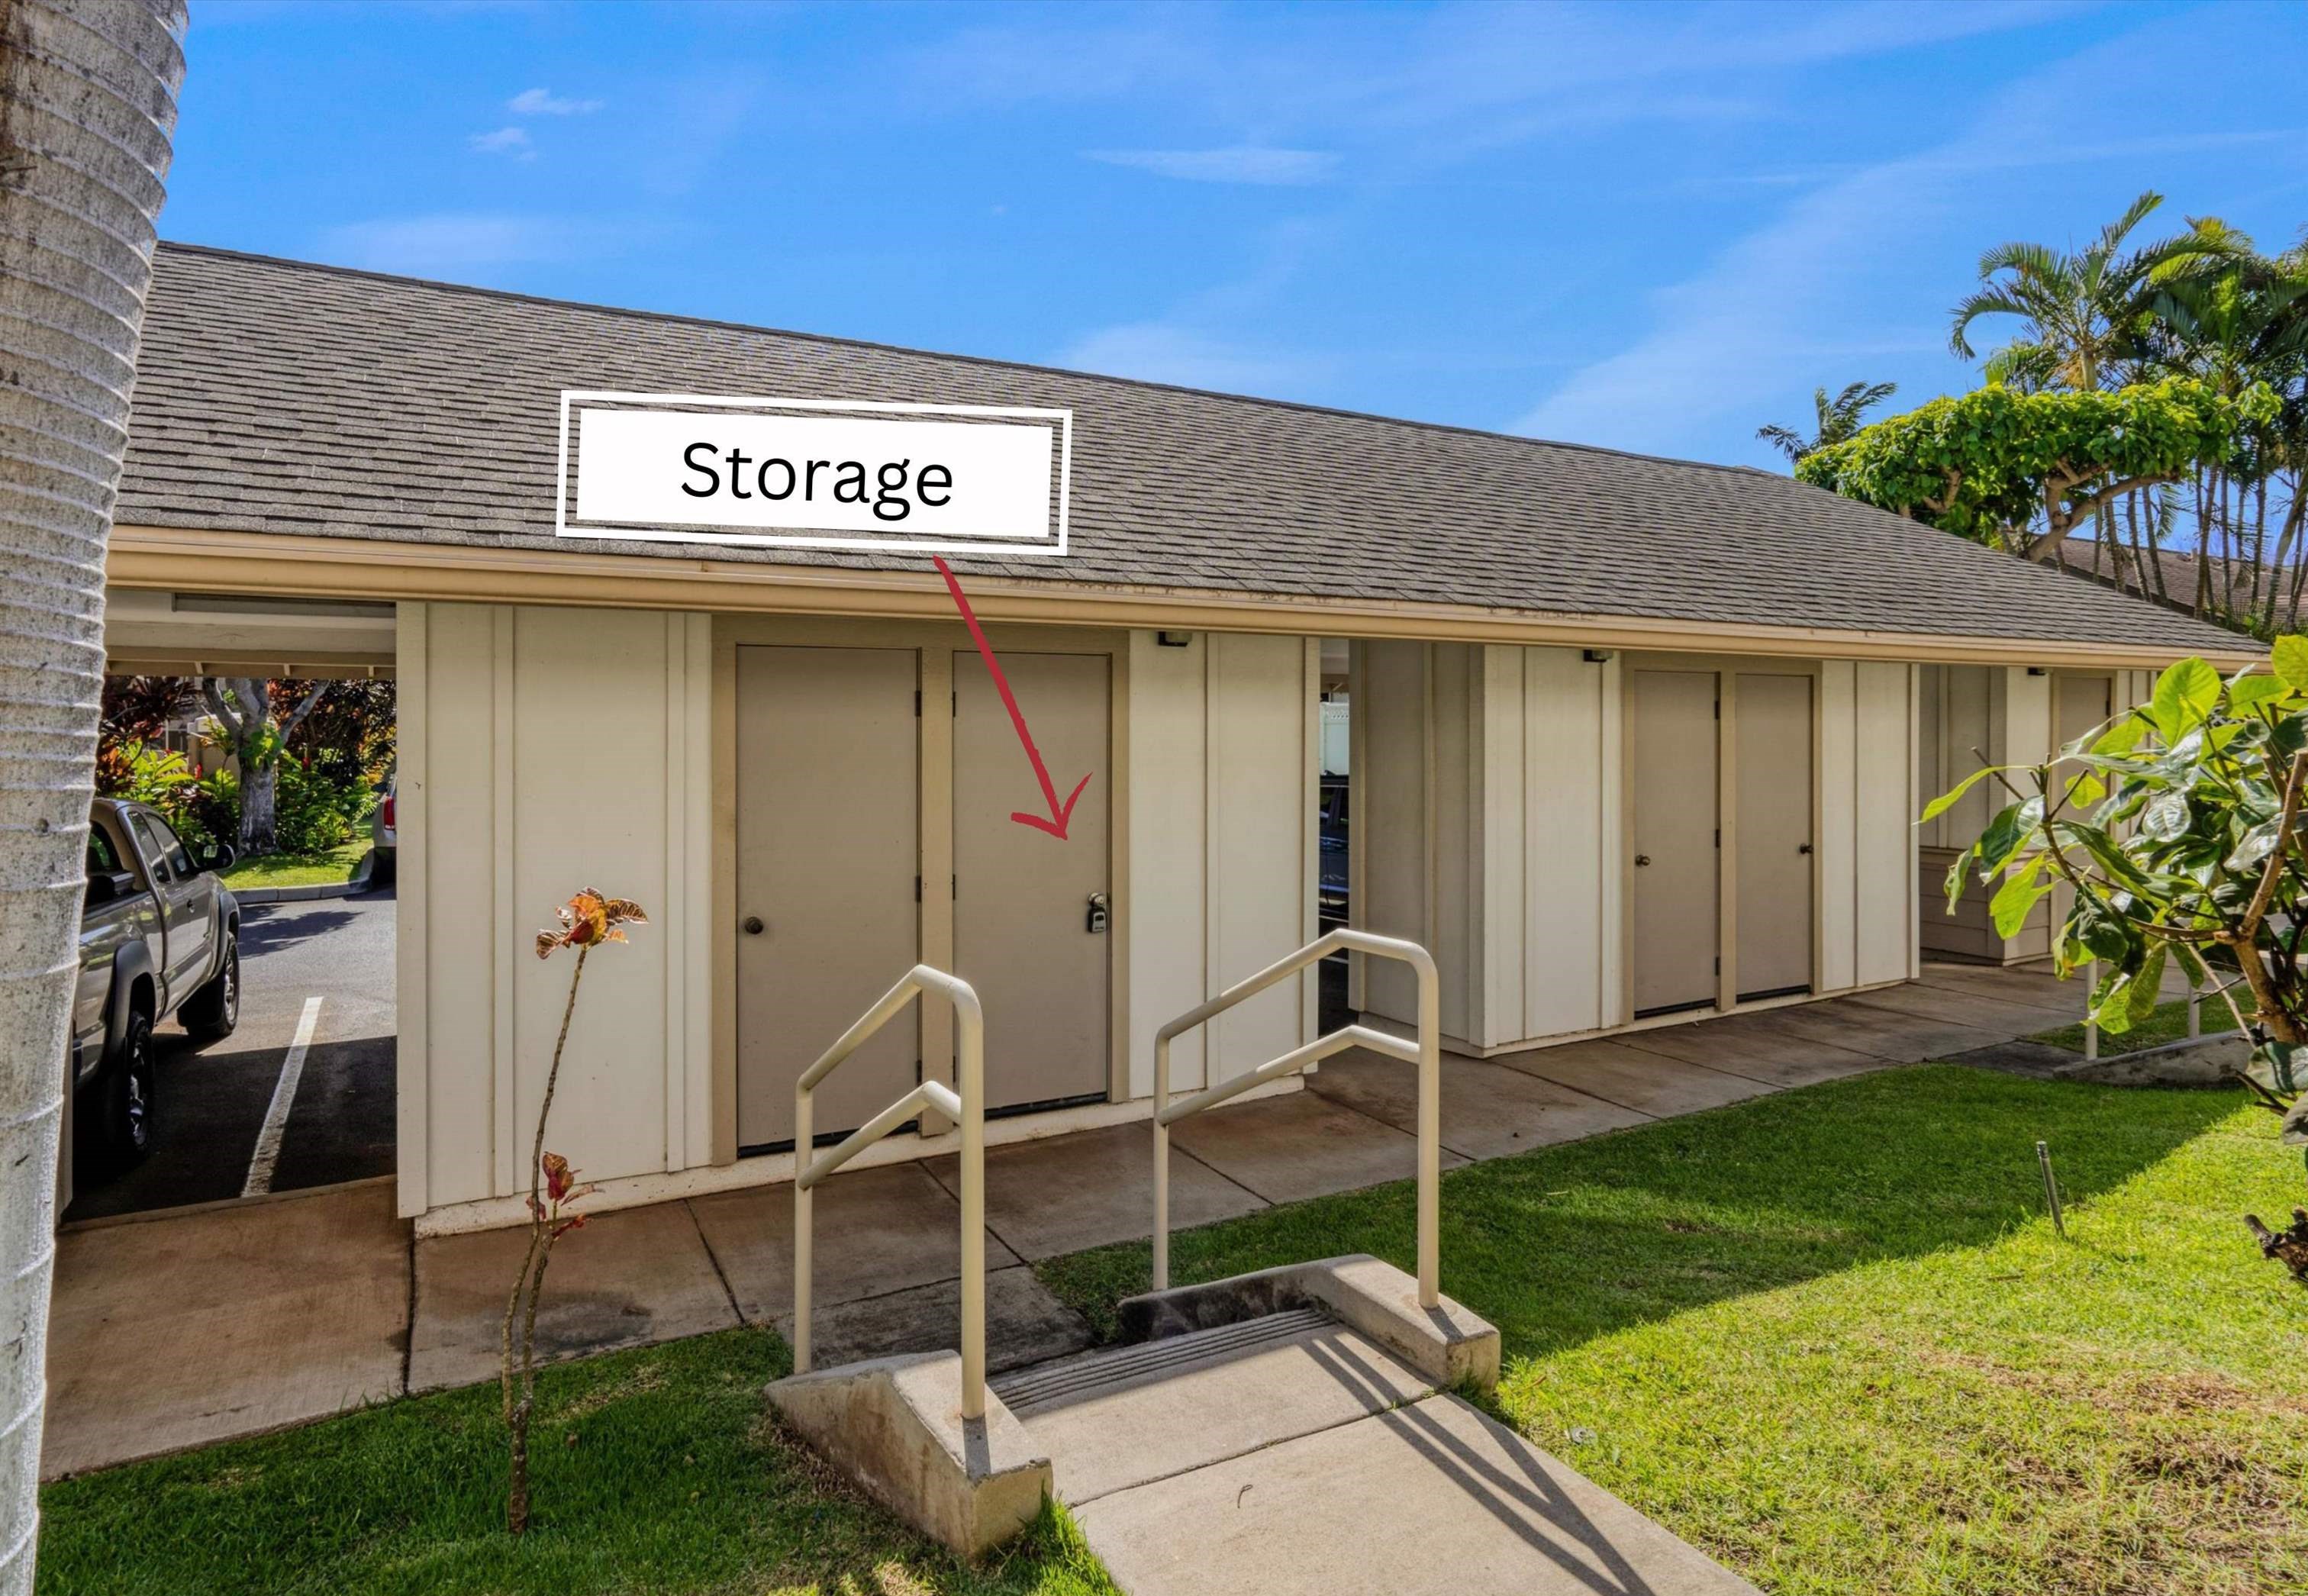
(1174, 640)
(1594, 656)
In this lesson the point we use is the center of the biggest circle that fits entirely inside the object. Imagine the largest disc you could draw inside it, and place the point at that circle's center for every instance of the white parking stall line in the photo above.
(284, 1093)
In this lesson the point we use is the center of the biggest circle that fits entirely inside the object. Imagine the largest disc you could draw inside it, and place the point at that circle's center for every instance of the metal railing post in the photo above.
(1161, 1165)
(972, 1067)
(1430, 1134)
(967, 1110)
(1425, 1053)
(804, 1139)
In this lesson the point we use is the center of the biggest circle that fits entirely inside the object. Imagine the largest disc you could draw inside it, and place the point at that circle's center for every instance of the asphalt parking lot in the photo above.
(323, 970)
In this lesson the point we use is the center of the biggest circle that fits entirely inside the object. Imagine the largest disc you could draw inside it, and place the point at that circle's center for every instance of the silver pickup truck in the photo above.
(160, 935)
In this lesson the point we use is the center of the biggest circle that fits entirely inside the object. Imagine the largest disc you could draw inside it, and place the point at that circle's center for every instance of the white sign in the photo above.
(814, 473)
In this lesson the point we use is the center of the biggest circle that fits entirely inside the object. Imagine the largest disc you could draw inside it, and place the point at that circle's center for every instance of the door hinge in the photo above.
(917, 700)
(1718, 836)
(918, 889)
(955, 708)
(1719, 709)
(1718, 963)
(917, 1072)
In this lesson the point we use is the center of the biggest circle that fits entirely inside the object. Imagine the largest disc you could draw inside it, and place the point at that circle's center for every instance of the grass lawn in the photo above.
(654, 1472)
(289, 869)
(1829, 1336)
(2168, 1023)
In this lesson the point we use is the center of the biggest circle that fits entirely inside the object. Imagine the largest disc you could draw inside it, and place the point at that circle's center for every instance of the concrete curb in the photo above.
(359, 882)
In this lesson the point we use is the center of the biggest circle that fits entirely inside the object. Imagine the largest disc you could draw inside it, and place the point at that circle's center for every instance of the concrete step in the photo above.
(1127, 1415)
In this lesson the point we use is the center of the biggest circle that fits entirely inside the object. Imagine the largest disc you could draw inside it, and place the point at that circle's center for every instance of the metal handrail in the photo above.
(1426, 1053)
(967, 1110)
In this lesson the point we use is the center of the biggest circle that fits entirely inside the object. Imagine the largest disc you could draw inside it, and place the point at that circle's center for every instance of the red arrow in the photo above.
(1055, 824)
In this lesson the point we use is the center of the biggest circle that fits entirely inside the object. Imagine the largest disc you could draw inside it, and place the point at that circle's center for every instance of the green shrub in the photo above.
(319, 809)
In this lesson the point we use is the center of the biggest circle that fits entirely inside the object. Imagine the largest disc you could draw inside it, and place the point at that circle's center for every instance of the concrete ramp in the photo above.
(1289, 1431)
(1433, 1496)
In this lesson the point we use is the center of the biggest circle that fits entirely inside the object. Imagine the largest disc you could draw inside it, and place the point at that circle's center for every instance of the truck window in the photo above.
(160, 848)
(103, 857)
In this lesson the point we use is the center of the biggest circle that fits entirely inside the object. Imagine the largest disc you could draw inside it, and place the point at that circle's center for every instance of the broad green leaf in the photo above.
(2147, 984)
(2112, 1006)
(2256, 845)
(2184, 695)
(2001, 839)
(2289, 658)
(2165, 819)
(1955, 882)
(2017, 896)
(2281, 1066)
(1954, 795)
(2245, 693)
(2124, 735)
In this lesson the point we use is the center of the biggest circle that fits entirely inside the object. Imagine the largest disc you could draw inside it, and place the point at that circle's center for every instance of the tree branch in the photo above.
(303, 709)
(212, 694)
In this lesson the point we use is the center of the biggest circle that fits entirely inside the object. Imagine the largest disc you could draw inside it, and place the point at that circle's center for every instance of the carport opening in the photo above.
(234, 1032)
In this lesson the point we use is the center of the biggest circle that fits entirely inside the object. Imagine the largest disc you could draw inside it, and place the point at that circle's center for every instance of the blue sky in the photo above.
(1648, 226)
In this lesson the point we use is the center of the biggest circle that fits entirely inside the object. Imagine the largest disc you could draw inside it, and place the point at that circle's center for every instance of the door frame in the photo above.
(1727, 669)
(936, 644)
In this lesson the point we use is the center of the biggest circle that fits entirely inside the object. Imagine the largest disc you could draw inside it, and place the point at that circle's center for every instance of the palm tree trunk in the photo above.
(87, 106)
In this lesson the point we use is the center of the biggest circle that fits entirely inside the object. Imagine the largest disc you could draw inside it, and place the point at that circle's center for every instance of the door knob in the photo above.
(1803, 848)
(1096, 920)
(751, 924)
(1643, 858)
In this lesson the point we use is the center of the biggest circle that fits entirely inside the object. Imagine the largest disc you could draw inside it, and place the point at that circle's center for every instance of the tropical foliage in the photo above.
(2148, 418)
(2181, 828)
(1834, 419)
(2021, 471)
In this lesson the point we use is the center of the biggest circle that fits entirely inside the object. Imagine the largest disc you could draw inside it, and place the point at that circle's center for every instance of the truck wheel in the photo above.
(126, 1125)
(211, 1013)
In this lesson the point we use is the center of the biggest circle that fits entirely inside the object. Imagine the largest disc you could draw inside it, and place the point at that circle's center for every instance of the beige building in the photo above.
(1631, 741)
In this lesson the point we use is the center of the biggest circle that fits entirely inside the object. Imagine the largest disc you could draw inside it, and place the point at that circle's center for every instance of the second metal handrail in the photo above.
(966, 1109)
(1426, 1053)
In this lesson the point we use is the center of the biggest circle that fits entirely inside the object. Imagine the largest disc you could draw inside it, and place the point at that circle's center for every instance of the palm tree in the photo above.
(88, 89)
(2083, 314)
(1837, 419)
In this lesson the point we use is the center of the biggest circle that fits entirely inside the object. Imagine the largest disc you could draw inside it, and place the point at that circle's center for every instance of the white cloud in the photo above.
(542, 102)
(505, 140)
(1238, 163)
(454, 244)
(1791, 304)
(1164, 352)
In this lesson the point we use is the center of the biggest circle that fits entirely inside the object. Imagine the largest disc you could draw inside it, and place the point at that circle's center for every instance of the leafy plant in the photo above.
(2020, 471)
(588, 920)
(200, 809)
(2179, 827)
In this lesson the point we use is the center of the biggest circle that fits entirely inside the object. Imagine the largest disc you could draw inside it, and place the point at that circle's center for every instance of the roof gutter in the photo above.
(278, 562)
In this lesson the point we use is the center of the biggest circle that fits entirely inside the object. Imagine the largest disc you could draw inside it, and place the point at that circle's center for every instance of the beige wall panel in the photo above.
(1837, 838)
(1167, 812)
(589, 696)
(1502, 876)
(689, 848)
(1258, 694)
(1455, 785)
(1884, 861)
(459, 904)
(1569, 862)
(1389, 897)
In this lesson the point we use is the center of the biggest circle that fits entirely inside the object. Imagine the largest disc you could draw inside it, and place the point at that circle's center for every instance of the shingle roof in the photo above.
(276, 396)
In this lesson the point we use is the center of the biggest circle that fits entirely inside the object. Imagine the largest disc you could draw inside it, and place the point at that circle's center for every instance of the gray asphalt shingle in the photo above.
(275, 396)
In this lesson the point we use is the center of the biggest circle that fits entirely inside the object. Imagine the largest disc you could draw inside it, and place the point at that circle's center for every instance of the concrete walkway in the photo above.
(179, 1329)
